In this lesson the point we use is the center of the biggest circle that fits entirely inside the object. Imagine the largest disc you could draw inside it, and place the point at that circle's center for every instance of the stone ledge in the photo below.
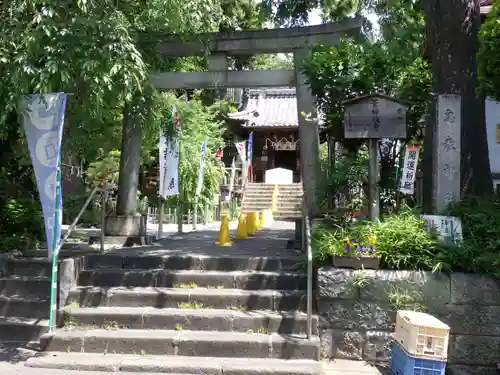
(475, 289)
(474, 350)
(339, 283)
(123, 241)
(469, 319)
(356, 315)
(3, 264)
(470, 370)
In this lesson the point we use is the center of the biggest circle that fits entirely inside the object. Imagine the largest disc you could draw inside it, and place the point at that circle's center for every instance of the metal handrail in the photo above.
(306, 242)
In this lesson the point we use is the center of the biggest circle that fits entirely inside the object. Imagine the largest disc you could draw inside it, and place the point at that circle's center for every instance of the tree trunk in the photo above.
(452, 44)
(130, 160)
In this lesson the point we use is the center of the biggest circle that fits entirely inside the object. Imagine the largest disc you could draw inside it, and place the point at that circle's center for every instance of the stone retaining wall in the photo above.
(357, 314)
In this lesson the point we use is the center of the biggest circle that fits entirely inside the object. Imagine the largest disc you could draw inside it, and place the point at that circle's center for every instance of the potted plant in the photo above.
(357, 254)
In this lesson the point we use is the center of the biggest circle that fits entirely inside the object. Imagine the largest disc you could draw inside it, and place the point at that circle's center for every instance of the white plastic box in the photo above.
(422, 335)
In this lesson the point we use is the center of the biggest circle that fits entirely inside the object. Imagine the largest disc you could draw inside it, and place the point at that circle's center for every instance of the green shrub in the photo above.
(72, 205)
(480, 251)
(401, 242)
(488, 57)
(21, 224)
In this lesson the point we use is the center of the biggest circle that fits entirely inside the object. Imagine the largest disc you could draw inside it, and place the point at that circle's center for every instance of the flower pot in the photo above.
(340, 261)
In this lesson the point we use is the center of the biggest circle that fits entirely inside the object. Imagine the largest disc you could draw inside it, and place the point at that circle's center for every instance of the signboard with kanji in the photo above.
(447, 228)
(409, 171)
(374, 116)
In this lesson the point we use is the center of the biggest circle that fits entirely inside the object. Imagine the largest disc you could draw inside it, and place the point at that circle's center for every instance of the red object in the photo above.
(177, 120)
(220, 153)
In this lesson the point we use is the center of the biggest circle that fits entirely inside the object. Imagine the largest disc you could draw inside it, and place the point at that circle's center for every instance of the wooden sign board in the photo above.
(374, 116)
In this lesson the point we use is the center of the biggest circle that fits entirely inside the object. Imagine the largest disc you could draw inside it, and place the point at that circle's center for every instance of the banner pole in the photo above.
(195, 212)
(55, 225)
(180, 203)
(103, 214)
(161, 216)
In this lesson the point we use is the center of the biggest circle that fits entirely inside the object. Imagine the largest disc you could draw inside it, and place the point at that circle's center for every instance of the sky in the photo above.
(315, 19)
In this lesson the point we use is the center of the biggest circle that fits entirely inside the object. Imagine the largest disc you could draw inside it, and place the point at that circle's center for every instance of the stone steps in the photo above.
(293, 207)
(173, 364)
(192, 262)
(192, 318)
(24, 300)
(182, 343)
(275, 300)
(21, 329)
(26, 286)
(289, 200)
(30, 267)
(190, 314)
(249, 280)
(30, 307)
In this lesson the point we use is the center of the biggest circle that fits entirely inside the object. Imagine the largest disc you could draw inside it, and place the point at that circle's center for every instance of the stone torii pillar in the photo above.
(308, 133)
(218, 62)
(127, 223)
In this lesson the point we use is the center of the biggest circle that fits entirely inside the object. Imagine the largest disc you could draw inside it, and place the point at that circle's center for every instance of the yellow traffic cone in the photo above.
(224, 239)
(251, 223)
(266, 218)
(241, 232)
(262, 222)
(257, 220)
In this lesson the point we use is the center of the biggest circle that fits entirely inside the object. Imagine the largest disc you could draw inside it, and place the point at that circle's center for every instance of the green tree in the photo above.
(452, 44)
(198, 123)
(353, 69)
(488, 57)
(100, 52)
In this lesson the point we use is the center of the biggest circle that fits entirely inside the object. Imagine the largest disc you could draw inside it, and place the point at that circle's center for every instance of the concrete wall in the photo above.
(357, 314)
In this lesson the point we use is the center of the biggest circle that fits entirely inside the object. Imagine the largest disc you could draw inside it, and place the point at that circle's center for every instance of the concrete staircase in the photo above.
(24, 300)
(25, 291)
(185, 315)
(259, 196)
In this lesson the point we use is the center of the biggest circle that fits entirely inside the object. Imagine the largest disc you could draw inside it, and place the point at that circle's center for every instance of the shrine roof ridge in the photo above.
(376, 95)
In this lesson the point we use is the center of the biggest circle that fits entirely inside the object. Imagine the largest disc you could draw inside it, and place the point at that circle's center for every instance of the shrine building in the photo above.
(271, 114)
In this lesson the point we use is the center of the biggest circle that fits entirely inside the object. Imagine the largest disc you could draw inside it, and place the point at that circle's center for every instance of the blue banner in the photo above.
(199, 185)
(250, 148)
(43, 125)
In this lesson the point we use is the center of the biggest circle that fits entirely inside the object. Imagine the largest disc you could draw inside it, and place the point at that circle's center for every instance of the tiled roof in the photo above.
(268, 108)
(486, 6)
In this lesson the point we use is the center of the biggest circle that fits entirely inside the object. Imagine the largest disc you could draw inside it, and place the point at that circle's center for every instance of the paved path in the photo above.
(269, 242)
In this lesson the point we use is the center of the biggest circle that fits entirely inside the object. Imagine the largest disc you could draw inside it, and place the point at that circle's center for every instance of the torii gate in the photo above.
(218, 46)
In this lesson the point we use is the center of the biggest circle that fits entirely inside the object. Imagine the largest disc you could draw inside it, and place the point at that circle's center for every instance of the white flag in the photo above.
(169, 166)
(409, 171)
(201, 168)
(43, 124)
(242, 147)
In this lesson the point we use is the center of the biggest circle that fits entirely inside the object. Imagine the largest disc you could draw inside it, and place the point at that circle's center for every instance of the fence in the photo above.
(206, 215)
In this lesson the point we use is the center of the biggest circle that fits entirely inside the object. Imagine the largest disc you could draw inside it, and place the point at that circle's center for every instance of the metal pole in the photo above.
(161, 218)
(180, 203)
(53, 284)
(103, 213)
(373, 177)
(205, 219)
(307, 240)
(195, 212)
(73, 224)
(399, 171)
